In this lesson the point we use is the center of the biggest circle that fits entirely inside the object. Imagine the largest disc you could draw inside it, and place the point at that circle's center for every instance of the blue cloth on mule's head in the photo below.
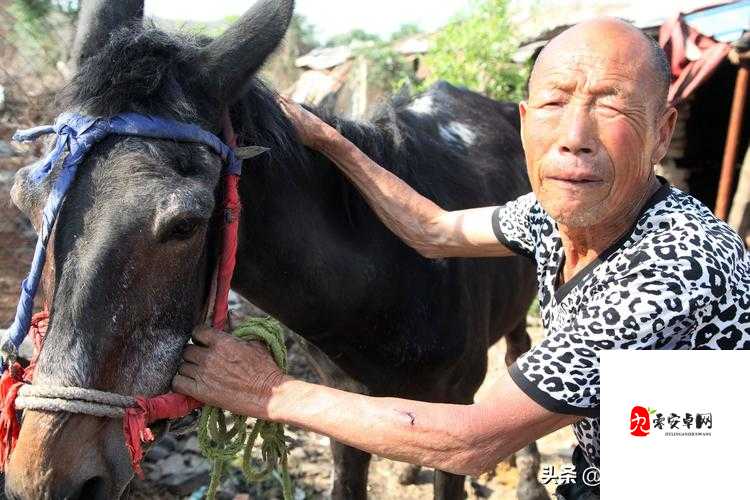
(79, 134)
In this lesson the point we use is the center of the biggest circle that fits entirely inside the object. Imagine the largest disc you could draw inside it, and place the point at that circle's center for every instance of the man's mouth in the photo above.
(582, 180)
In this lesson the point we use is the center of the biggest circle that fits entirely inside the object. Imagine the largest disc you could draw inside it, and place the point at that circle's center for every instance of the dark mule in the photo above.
(129, 263)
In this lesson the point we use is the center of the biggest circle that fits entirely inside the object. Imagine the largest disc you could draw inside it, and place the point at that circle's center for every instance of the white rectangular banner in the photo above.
(675, 424)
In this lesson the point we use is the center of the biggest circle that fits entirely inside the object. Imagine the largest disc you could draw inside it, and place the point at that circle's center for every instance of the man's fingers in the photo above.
(185, 385)
(195, 354)
(189, 370)
(203, 335)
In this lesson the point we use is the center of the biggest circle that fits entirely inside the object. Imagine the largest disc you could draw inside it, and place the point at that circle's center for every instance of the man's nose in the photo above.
(578, 131)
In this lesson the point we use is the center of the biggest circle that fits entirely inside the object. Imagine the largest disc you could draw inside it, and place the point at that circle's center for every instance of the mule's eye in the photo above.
(182, 229)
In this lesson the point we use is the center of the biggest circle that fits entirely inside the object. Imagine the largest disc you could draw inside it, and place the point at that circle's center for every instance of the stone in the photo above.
(191, 444)
(168, 442)
(6, 178)
(158, 453)
(6, 150)
(173, 465)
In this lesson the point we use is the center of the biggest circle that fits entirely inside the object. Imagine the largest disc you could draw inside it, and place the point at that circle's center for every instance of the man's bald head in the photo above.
(605, 31)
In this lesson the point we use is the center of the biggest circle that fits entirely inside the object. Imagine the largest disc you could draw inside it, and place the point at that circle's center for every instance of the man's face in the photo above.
(591, 129)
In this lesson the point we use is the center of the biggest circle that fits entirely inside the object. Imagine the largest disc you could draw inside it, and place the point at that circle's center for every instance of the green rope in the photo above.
(220, 442)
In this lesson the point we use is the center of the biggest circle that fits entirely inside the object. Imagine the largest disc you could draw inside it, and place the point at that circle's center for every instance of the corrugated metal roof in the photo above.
(725, 23)
(325, 57)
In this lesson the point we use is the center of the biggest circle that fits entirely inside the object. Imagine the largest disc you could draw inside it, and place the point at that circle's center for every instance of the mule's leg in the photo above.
(447, 486)
(409, 474)
(350, 467)
(528, 459)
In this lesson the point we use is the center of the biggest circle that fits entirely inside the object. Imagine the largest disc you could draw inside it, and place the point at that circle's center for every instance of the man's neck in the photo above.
(583, 245)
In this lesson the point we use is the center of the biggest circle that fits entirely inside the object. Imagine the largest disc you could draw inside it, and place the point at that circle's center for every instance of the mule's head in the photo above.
(127, 275)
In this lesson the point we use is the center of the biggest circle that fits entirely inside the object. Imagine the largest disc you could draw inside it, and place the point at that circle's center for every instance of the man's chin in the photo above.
(574, 215)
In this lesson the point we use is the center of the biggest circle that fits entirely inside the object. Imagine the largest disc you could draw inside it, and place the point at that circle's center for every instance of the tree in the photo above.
(357, 35)
(305, 36)
(404, 31)
(42, 29)
(475, 51)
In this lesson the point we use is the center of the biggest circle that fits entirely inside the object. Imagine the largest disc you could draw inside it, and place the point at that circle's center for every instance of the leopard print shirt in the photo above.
(680, 279)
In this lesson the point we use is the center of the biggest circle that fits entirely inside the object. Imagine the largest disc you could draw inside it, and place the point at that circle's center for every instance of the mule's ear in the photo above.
(233, 58)
(97, 19)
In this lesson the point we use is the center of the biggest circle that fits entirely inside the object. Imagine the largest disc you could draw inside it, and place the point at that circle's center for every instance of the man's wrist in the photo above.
(286, 399)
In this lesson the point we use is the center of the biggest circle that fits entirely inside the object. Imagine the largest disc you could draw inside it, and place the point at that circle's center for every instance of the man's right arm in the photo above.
(419, 222)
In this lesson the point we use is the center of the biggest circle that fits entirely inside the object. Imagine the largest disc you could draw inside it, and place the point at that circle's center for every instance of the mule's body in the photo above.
(133, 247)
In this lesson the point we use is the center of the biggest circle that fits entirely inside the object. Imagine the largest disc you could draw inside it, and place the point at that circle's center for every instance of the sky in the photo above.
(330, 17)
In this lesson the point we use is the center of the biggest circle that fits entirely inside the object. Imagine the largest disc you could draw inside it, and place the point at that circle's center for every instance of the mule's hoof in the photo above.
(409, 475)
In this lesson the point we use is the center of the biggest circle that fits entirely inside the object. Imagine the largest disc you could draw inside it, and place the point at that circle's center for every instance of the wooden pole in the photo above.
(733, 138)
(739, 215)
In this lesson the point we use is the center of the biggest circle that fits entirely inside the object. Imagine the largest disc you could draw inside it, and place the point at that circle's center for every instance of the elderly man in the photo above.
(624, 262)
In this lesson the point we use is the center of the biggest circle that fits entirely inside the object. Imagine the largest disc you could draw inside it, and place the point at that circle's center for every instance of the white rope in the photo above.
(73, 400)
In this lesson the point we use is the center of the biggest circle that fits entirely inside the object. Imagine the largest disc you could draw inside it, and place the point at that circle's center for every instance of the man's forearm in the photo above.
(443, 436)
(411, 216)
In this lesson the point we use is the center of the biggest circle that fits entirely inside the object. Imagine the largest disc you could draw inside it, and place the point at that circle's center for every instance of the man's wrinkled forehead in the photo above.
(603, 43)
(593, 73)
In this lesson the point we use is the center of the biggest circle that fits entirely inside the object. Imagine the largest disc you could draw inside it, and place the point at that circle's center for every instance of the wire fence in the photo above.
(34, 48)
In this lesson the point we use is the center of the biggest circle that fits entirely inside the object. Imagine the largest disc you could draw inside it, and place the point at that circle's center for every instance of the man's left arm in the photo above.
(462, 439)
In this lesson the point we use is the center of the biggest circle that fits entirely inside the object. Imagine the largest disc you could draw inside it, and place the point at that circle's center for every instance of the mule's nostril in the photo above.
(92, 489)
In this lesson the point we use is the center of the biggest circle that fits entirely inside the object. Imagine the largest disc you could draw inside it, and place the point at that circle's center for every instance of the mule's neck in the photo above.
(302, 253)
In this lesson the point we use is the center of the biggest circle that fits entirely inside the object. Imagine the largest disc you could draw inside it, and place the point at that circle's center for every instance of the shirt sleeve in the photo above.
(646, 309)
(512, 224)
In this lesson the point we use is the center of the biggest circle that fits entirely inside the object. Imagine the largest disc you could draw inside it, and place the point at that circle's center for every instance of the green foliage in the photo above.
(388, 70)
(475, 51)
(357, 35)
(534, 308)
(212, 29)
(37, 30)
(404, 31)
(304, 33)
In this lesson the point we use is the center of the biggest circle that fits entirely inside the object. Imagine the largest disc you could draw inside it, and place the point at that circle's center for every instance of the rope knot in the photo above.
(137, 418)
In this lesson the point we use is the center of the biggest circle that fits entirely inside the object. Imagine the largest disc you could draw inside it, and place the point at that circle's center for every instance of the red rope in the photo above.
(136, 420)
(10, 383)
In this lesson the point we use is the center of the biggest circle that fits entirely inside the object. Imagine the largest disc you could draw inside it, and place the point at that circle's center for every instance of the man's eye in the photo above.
(609, 109)
(552, 104)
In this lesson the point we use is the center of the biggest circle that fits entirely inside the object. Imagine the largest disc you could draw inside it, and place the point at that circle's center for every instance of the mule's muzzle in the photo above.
(64, 456)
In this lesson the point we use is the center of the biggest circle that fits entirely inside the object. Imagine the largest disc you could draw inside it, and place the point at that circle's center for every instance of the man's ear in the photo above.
(522, 107)
(665, 130)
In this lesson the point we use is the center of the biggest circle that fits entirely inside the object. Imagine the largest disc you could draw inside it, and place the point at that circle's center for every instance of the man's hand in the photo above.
(313, 131)
(221, 370)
